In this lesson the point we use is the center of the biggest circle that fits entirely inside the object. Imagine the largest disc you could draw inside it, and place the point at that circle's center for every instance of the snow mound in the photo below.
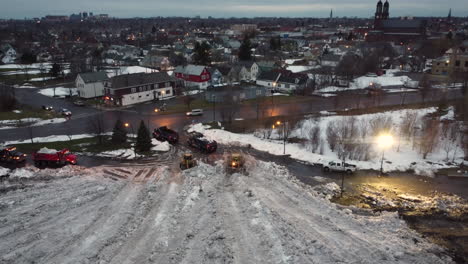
(23, 173)
(160, 146)
(4, 171)
(45, 150)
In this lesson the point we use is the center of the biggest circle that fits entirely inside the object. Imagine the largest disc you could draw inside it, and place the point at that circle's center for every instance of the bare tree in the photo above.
(314, 138)
(426, 86)
(428, 140)
(381, 124)
(231, 105)
(97, 127)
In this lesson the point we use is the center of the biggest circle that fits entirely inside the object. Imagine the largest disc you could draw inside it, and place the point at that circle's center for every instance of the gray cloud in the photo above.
(220, 8)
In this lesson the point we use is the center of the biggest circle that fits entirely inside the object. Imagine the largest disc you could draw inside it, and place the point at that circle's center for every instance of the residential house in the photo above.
(217, 77)
(91, 84)
(197, 76)
(154, 61)
(330, 60)
(7, 54)
(283, 81)
(137, 88)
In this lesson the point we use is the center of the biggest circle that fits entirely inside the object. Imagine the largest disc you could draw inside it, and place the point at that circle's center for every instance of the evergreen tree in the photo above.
(143, 142)
(202, 54)
(55, 70)
(245, 52)
(119, 133)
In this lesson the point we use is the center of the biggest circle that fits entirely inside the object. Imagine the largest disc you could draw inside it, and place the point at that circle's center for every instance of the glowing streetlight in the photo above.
(278, 123)
(384, 141)
(126, 124)
(133, 132)
(156, 110)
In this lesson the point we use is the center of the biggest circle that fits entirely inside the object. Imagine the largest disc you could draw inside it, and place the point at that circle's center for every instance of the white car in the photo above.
(65, 112)
(339, 166)
(195, 112)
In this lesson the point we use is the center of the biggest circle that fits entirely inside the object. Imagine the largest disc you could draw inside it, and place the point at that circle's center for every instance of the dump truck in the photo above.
(46, 156)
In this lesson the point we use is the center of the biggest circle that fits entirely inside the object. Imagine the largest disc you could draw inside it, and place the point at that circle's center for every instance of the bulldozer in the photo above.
(236, 163)
(187, 162)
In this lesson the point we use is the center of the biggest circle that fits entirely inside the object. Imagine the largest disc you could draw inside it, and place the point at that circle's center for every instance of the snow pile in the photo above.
(299, 68)
(45, 150)
(160, 146)
(41, 79)
(201, 215)
(119, 153)
(23, 173)
(59, 92)
(450, 116)
(4, 171)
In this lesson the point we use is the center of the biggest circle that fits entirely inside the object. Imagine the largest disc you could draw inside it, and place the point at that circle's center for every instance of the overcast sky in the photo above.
(228, 8)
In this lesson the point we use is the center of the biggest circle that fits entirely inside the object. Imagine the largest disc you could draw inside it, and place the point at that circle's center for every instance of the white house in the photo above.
(91, 84)
(7, 54)
(128, 89)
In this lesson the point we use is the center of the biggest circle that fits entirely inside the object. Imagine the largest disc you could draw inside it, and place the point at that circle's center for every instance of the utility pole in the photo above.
(214, 108)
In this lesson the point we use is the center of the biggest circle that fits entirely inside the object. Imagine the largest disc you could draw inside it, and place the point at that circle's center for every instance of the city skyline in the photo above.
(239, 8)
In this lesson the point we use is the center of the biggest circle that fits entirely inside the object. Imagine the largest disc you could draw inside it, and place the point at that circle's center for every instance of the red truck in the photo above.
(46, 156)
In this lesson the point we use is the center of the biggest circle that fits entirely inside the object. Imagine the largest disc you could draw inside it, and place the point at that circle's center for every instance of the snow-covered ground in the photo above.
(53, 138)
(7, 124)
(129, 154)
(158, 215)
(58, 92)
(402, 156)
(388, 79)
(129, 70)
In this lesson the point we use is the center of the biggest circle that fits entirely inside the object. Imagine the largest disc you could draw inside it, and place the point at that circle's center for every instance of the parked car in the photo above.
(198, 141)
(11, 155)
(165, 134)
(65, 112)
(79, 103)
(339, 166)
(195, 112)
(46, 156)
(47, 107)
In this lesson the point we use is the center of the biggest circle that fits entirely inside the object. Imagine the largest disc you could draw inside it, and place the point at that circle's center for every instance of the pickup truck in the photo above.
(198, 141)
(339, 166)
(165, 134)
(46, 156)
(10, 155)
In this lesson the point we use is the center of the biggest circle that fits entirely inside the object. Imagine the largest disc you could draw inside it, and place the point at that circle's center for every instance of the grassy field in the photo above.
(28, 113)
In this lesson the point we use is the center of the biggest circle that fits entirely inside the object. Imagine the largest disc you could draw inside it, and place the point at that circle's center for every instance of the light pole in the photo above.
(384, 141)
(133, 132)
(214, 108)
(278, 123)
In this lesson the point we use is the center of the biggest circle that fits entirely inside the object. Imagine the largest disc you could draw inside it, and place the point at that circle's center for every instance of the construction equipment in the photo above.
(187, 162)
(236, 163)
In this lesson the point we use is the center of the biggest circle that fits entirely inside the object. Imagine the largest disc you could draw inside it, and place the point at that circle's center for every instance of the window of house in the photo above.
(287, 85)
(259, 92)
(152, 86)
(457, 63)
(168, 84)
(168, 91)
(438, 63)
(134, 90)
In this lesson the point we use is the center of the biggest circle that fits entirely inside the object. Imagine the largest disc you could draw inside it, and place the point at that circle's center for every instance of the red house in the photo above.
(193, 75)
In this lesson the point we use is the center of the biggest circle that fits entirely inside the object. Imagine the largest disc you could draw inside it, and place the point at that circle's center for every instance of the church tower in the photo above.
(386, 10)
(449, 17)
(378, 11)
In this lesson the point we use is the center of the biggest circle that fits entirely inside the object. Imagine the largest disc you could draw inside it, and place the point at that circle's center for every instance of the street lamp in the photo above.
(133, 132)
(384, 141)
(277, 124)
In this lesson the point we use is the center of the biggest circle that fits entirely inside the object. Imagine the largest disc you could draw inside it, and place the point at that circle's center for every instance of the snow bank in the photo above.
(41, 79)
(59, 92)
(384, 80)
(160, 146)
(119, 153)
(54, 138)
(22, 173)
(4, 171)
(129, 70)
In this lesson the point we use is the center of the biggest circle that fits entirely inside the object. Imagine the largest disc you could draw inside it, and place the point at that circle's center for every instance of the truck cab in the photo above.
(165, 134)
(11, 155)
(340, 167)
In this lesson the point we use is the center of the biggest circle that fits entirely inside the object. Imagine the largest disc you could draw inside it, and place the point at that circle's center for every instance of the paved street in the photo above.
(82, 116)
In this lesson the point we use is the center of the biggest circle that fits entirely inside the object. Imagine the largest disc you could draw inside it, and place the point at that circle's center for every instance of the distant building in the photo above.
(283, 81)
(137, 88)
(454, 60)
(401, 30)
(90, 85)
(7, 54)
(50, 18)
